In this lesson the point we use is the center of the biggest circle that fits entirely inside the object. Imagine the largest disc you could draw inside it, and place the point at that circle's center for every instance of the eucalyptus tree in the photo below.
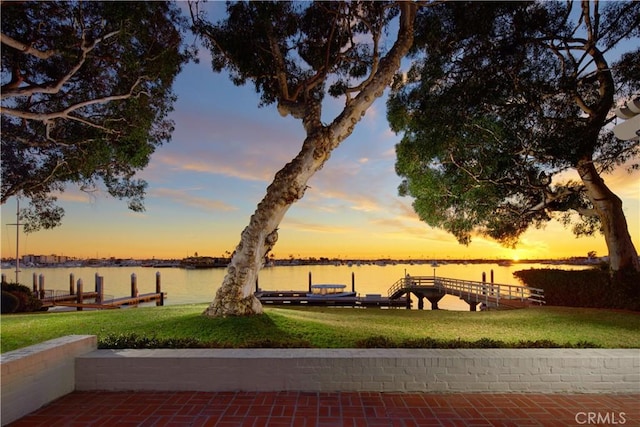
(86, 89)
(501, 99)
(296, 53)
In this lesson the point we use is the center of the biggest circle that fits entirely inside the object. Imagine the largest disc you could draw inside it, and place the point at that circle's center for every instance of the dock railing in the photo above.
(492, 292)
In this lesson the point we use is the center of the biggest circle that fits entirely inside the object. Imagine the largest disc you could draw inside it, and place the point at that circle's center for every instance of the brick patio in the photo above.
(341, 409)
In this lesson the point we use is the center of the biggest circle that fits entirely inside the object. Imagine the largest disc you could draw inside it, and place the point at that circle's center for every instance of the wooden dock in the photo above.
(113, 303)
(473, 293)
(300, 298)
(76, 297)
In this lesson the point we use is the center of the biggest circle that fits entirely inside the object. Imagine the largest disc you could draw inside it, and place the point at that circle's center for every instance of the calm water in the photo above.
(199, 286)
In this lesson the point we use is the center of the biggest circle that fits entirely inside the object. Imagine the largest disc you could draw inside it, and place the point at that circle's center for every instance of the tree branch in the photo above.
(66, 113)
(549, 197)
(54, 87)
(343, 125)
(28, 49)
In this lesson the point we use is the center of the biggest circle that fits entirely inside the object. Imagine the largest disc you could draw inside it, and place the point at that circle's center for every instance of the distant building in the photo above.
(44, 259)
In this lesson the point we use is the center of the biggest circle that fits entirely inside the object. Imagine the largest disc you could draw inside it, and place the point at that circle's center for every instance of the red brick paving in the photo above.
(300, 409)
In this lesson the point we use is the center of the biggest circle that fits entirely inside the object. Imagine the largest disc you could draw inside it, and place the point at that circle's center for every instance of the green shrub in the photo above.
(428, 342)
(594, 288)
(27, 302)
(270, 343)
(10, 302)
(133, 340)
(378, 341)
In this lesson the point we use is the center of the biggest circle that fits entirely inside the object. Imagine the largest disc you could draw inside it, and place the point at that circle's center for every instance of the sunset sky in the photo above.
(204, 185)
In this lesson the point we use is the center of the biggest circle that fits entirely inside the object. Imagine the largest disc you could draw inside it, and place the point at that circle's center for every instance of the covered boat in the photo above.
(329, 291)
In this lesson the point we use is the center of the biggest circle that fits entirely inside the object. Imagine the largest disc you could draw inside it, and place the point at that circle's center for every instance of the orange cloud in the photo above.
(199, 202)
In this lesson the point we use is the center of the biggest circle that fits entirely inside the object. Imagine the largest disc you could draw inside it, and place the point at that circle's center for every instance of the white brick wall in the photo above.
(34, 376)
(385, 370)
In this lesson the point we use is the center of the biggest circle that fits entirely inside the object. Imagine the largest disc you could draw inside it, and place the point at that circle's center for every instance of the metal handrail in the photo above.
(470, 288)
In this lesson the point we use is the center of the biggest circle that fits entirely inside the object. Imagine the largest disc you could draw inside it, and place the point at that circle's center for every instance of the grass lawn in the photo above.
(331, 327)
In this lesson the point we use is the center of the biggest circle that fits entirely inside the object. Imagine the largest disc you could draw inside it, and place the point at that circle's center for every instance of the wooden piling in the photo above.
(41, 285)
(309, 282)
(160, 300)
(35, 285)
(353, 281)
(72, 284)
(79, 294)
(484, 281)
(4, 278)
(99, 289)
(134, 285)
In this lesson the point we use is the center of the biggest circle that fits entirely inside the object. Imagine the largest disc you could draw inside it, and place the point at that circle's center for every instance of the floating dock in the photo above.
(301, 298)
(329, 295)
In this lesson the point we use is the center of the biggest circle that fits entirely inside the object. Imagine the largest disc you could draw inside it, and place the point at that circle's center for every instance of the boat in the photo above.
(329, 291)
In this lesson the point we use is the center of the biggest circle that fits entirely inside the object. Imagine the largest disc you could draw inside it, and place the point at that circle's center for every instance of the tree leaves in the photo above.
(85, 99)
(502, 97)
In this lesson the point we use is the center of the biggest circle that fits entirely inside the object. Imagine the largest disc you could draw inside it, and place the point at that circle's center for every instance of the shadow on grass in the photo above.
(197, 331)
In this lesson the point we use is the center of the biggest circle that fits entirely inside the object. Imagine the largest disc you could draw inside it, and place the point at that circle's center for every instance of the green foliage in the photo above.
(86, 97)
(501, 97)
(10, 302)
(428, 342)
(585, 288)
(134, 340)
(27, 302)
(291, 50)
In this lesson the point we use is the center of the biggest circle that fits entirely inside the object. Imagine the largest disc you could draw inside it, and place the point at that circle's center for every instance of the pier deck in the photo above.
(474, 293)
(109, 304)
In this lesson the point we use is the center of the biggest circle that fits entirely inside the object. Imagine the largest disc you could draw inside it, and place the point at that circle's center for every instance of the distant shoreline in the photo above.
(32, 261)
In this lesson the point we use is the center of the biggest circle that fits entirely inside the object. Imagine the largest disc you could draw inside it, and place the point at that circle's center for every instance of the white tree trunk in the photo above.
(235, 296)
(622, 252)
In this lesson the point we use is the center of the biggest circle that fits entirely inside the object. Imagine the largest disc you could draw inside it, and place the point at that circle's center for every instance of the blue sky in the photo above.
(205, 184)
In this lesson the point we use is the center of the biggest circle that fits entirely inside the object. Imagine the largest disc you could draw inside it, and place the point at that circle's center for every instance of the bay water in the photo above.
(184, 286)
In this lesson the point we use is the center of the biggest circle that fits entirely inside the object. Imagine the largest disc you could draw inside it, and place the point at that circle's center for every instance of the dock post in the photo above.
(159, 301)
(484, 283)
(309, 282)
(99, 289)
(134, 285)
(79, 294)
(41, 285)
(72, 284)
(35, 285)
(492, 275)
(4, 278)
(353, 281)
